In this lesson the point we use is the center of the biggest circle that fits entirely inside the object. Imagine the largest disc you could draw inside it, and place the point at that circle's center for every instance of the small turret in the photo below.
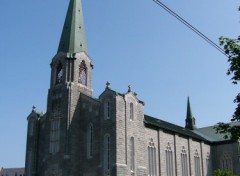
(190, 120)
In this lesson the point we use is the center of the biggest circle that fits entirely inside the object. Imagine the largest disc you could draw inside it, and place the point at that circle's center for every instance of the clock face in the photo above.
(83, 77)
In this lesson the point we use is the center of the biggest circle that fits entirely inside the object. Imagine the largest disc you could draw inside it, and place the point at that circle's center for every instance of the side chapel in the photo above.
(81, 135)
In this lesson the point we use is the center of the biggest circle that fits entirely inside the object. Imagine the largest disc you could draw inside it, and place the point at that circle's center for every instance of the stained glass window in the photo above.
(82, 73)
(59, 73)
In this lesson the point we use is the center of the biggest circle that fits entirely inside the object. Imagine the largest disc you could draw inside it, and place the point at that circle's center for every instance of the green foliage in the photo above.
(232, 50)
(223, 173)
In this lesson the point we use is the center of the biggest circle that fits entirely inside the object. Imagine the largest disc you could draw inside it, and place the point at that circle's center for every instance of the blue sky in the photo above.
(130, 42)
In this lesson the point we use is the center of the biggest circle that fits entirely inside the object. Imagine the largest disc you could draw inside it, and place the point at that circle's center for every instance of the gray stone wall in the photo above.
(73, 103)
(228, 150)
(162, 139)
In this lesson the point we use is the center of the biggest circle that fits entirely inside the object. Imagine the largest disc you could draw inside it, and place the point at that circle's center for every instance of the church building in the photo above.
(81, 135)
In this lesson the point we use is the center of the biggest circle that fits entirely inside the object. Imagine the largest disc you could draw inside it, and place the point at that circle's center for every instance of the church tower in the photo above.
(71, 74)
(71, 78)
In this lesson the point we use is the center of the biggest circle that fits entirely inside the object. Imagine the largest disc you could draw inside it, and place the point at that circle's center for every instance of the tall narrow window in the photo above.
(184, 162)
(29, 162)
(208, 165)
(131, 111)
(59, 73)
(132, 155)
(107, 110)
(82, 73)
(152, 163)
(90, 141)
(197, 164)
(226, 162)
(31, 128)
(107, 154)
(169, 161)
(54, 135)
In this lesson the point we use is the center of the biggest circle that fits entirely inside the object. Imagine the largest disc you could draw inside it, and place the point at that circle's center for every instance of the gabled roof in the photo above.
(210, 133)
(207, 134)
(73, 34)
(171, 127)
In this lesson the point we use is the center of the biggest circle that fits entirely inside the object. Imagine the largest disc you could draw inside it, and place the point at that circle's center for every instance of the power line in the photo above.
(195, 30)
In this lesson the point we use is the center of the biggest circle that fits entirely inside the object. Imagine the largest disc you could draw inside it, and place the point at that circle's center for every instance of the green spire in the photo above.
(73, 35)
(189, 110)
(190, 120)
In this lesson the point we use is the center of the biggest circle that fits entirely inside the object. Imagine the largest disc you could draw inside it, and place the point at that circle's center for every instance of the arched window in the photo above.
(90, 141)
(107, 154)
(169, 161)
(184, 162)
(107, 110)
(82, 73)
(54, 146)
(152, 162)
(31, 128)
(59, 73)
(226, 162)
(197, 164)
(208, 164)
(132, 155)
(131, 111)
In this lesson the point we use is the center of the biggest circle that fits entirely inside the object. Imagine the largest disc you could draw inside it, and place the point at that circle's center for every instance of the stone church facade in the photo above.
(80, 135)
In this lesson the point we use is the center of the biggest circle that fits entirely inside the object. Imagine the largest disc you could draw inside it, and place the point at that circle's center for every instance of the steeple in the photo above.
(73, 35)
(190, 120)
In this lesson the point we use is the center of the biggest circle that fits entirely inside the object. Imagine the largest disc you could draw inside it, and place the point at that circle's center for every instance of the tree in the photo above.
(232, 50)
(222, 173)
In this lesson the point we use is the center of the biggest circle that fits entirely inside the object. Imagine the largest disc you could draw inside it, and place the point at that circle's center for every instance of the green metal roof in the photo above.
(189, 110)
(73, 34)
(190, 120)
(207, 134)
(171, 127)
(210, 133)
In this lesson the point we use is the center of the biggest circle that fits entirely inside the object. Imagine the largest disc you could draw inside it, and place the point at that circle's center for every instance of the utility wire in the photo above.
(190, 27)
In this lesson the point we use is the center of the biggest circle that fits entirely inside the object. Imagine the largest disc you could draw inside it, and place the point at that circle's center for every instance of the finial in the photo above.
(108, 85)
(129, 88)
(33, 108)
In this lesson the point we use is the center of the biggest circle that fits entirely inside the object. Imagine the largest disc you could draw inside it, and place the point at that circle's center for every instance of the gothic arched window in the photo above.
(107, 110)
(169, 161)
(90, 141)
(208, 164)
(132, 155)
(184, 162)
(197, 164)
(226, 162)
(82, 73)
(152, 161)
(107, 154)
(59, 73)
(131, 111)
